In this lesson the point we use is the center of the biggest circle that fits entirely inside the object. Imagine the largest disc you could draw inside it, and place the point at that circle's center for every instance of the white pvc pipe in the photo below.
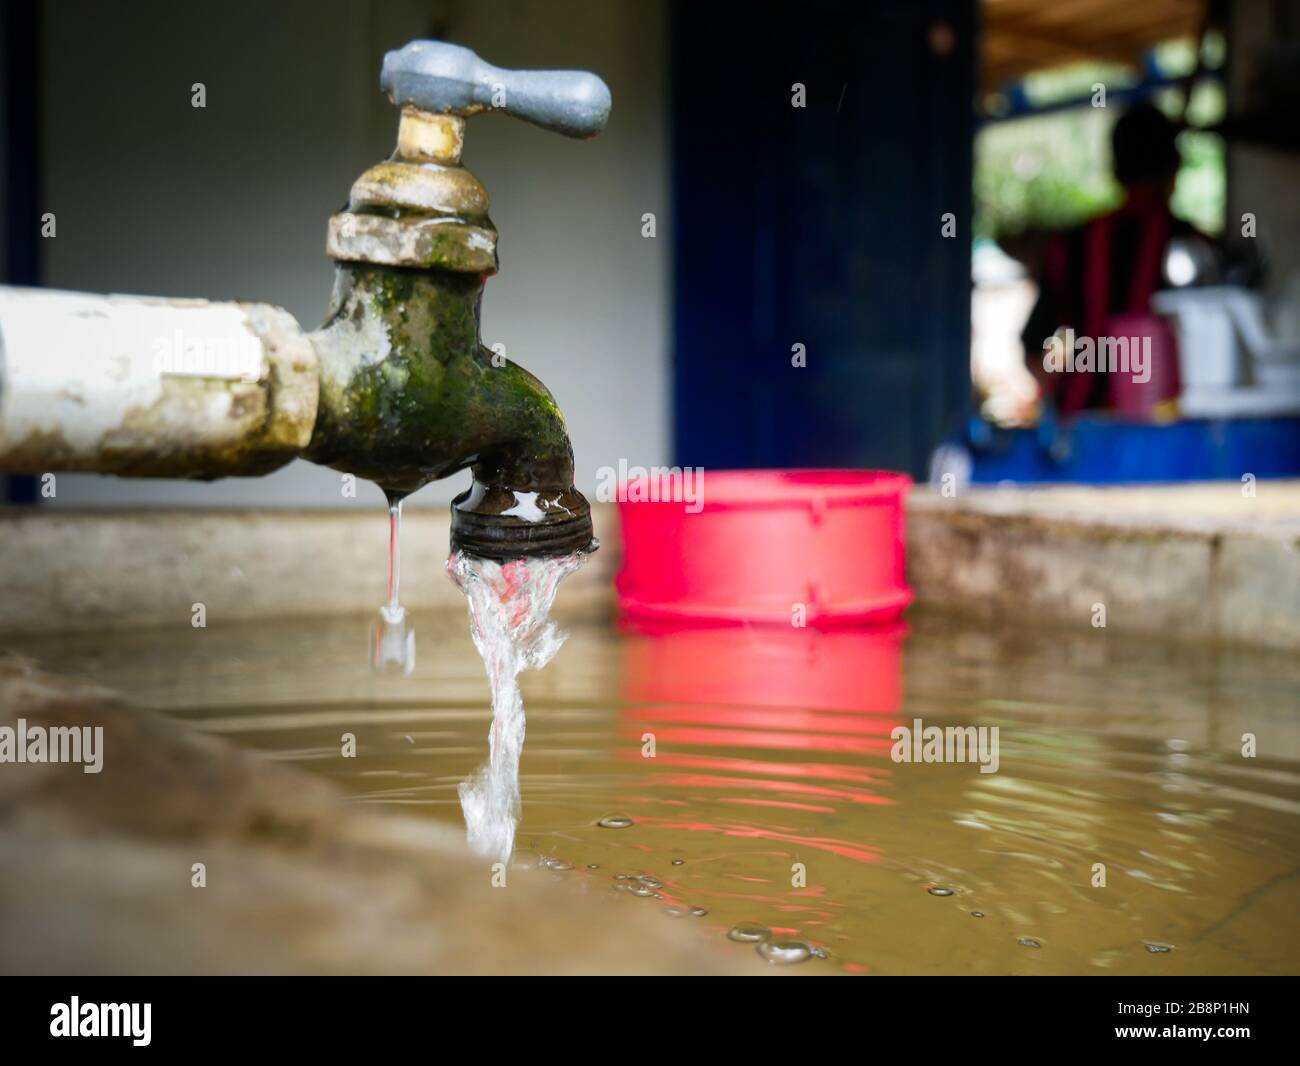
(150, 386)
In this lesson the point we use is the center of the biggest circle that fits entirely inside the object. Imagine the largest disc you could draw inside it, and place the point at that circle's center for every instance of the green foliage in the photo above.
(1053, 171)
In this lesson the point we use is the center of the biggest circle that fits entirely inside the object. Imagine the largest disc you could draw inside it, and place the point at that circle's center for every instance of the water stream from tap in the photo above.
(509, 609)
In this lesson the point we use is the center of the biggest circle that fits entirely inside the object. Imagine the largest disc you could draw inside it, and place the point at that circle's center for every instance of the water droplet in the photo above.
(784, 952)
(939, 890)
(977, 914)
(1029, 942)
(748, 933)
(614, 821)
(678, 862)
(698, 912)
(1157, 948)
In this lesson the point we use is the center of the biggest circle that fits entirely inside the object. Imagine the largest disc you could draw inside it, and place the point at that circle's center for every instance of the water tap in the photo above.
(396, 386)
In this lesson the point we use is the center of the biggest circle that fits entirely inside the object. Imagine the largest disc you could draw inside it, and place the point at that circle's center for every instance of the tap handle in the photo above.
(448, 79)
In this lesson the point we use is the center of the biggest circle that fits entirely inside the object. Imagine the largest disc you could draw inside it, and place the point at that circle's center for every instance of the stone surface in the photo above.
(95, 869)
(70, 571)
(1201, 562)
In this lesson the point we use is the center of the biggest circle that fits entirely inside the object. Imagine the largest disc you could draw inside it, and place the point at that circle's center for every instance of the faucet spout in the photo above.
(409, 394)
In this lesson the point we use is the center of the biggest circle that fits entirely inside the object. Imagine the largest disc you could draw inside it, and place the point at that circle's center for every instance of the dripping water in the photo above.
(392, 638)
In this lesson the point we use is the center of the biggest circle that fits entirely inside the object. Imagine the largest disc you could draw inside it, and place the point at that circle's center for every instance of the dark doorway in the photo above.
(821, 226)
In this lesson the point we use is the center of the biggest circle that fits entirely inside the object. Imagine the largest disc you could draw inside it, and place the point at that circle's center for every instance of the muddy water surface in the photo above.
(747, 774)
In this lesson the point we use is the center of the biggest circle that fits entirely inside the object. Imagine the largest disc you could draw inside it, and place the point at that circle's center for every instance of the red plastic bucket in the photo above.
(821, 547)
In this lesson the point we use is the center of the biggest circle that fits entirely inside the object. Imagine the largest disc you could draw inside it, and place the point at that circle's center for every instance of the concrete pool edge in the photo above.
(75, 570)
(1194, 562)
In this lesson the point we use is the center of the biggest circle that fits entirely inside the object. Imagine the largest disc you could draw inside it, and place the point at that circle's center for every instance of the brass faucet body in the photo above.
(408, 392)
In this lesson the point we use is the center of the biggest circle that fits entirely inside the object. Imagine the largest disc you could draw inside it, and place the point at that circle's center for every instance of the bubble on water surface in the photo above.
(784, 952)
(748, 933)
(698, 912)
(678, 862)
(977, 914)
(939, 890)
(1157, 948)
(557, 864)
(614, 821)
(650, 881)
(593, 866)
(676, 912)
(1029, 942)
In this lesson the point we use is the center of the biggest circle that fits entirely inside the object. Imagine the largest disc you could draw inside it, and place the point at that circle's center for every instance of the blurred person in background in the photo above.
(1111, 265)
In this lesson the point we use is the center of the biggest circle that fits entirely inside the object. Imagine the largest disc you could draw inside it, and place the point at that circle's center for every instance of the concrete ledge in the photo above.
(76, 570)
(1198, 562)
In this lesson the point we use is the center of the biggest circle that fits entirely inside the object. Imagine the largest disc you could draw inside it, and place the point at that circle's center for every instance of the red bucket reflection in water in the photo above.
(778, 722)
(765, 666)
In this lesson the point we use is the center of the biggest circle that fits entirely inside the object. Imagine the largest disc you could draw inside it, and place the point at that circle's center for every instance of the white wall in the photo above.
(231, 201)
